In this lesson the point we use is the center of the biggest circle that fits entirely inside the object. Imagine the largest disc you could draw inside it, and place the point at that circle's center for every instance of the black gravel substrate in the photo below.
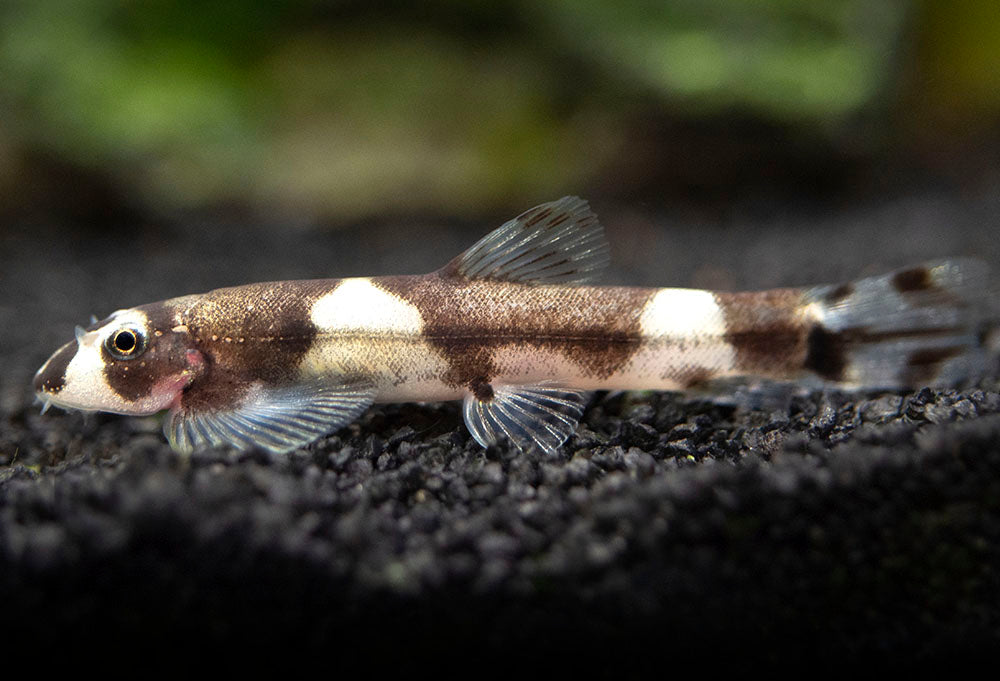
(835, 529)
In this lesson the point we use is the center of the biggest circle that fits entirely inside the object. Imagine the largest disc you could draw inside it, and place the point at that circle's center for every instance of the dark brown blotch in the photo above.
(482, 389)
(596, 328)
(696, 377)
(829, 351)
(840, 294)
(767, 331)
(912, 280)
(258, 331)
(826, 353)
(923, 366)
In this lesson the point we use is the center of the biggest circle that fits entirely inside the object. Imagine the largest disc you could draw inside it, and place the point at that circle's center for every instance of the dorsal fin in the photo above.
(560, 242)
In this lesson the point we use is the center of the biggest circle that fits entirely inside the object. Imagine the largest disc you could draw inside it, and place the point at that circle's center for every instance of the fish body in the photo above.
(511, 327)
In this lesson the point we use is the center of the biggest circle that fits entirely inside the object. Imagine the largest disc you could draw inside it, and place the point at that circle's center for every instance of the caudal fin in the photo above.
(929, 325)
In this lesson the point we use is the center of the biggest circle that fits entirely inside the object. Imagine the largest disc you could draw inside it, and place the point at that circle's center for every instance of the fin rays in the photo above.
(540, 415)
(921, 325)
(276, 419)
(555, 243)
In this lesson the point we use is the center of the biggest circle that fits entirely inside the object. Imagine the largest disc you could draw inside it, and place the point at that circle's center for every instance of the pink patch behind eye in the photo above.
(195, 359)
(167, 392)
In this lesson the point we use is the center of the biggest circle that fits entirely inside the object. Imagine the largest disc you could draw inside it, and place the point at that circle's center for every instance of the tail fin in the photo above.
(931, 325)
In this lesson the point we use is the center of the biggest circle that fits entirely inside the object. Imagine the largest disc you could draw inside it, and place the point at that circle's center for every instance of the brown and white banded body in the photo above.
(512, 328)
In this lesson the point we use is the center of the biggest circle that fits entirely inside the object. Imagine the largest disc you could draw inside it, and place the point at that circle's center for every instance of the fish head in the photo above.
(125, 364)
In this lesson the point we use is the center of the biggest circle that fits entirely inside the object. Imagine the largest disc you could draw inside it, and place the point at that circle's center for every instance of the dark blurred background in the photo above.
(152, 149)
(334, 112)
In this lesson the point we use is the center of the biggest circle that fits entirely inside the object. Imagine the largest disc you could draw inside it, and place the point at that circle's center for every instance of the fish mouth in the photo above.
(165, 394)
(49, 400)
(46, 401)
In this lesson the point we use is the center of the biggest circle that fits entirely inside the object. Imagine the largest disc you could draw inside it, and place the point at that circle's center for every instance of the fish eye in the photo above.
(125, 343)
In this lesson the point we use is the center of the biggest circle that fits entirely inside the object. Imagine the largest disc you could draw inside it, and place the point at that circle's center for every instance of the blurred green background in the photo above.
(348, 110)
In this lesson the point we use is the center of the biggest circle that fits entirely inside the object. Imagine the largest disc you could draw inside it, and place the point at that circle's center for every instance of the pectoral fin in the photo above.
(277, 419)
(539, 415)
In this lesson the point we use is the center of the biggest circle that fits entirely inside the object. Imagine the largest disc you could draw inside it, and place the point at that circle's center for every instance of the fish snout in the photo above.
(51, 378)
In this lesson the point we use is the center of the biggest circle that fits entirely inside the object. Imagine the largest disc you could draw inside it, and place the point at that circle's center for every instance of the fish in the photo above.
(516, 329)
